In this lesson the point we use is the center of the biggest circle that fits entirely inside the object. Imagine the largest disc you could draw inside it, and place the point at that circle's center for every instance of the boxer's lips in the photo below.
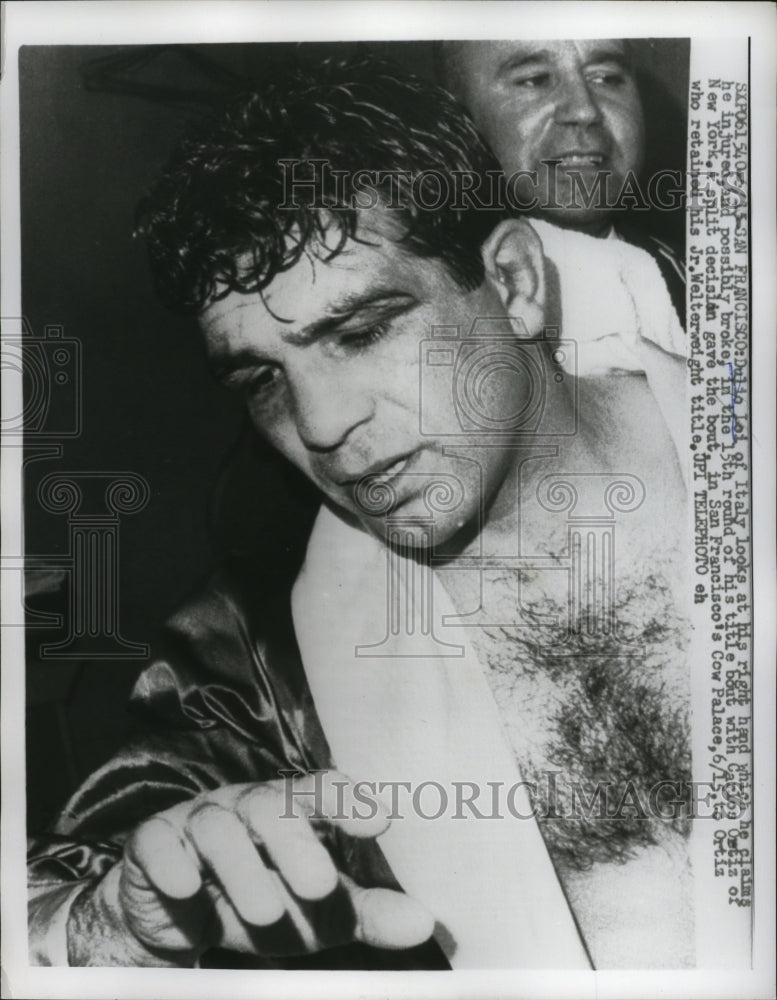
(389, 472)
(395, 474)
(380, 472)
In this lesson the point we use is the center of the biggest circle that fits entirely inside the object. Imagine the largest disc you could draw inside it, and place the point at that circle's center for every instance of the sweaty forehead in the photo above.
(321, 287)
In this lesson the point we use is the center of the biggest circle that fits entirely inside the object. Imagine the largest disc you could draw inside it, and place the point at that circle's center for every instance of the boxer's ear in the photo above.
(514, 264)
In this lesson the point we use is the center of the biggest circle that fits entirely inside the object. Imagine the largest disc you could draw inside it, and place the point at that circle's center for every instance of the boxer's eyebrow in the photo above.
(225, 363)
(349, 307)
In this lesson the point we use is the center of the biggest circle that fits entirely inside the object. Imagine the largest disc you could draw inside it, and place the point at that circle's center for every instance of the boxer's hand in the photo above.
(234, 868)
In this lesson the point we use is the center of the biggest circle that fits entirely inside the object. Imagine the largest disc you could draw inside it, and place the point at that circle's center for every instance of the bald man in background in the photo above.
(566, 119)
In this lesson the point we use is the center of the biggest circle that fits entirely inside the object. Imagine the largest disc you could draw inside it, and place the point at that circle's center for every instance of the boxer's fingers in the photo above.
(228, 834)
(330, 795)
(323, 795)
(378, 917)
(160, 854)
(304, 928)
(388, 919)
(224, 845)
(290, 842)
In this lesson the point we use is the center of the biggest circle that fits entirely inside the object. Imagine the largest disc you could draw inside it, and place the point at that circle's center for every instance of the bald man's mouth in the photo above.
(578, 158)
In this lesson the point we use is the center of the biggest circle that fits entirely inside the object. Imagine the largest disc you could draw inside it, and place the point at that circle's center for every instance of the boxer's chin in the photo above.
(418, 536)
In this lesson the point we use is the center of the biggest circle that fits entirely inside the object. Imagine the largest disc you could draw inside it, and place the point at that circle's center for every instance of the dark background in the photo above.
(96, 125)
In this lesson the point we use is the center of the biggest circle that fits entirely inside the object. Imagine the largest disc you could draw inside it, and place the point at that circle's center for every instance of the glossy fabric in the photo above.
(225, 700)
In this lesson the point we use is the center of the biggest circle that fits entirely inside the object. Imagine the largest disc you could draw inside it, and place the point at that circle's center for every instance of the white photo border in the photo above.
(143, 22)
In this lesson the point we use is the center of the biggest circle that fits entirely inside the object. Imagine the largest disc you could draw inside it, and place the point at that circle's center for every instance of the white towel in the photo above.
(427, 718)
(615, 305)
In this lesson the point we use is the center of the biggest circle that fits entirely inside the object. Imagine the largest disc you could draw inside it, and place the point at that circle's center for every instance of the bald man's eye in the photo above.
(608, 77)
(537, 81)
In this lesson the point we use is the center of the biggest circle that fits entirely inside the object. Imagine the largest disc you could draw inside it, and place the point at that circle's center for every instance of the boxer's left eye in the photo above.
(365, 337)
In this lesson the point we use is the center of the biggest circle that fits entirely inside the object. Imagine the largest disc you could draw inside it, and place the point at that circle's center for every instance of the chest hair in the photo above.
(596, 722)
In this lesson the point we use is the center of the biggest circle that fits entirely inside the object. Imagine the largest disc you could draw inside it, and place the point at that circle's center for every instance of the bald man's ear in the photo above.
(514, 263)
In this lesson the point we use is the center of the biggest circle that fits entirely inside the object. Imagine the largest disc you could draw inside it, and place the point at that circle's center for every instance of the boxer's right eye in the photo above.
(260, 382)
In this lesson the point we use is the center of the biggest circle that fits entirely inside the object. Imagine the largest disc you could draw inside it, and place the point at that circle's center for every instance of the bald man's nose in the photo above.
(575, 103)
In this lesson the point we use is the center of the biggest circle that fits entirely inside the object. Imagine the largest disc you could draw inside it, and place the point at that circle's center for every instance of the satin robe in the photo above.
(225, 700)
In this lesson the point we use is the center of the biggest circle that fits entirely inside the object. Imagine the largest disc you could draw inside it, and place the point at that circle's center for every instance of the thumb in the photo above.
(388, 919)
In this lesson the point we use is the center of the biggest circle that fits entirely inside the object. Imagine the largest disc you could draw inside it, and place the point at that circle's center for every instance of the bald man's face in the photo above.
(568, 111)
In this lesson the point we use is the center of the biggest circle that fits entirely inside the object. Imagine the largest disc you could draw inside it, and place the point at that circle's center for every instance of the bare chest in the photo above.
(596, 710)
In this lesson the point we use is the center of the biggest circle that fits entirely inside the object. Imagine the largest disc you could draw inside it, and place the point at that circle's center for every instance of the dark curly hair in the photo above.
(220, 220)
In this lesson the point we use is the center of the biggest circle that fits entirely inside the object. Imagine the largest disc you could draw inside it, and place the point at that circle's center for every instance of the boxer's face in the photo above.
(558, 108)
(330, 361)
